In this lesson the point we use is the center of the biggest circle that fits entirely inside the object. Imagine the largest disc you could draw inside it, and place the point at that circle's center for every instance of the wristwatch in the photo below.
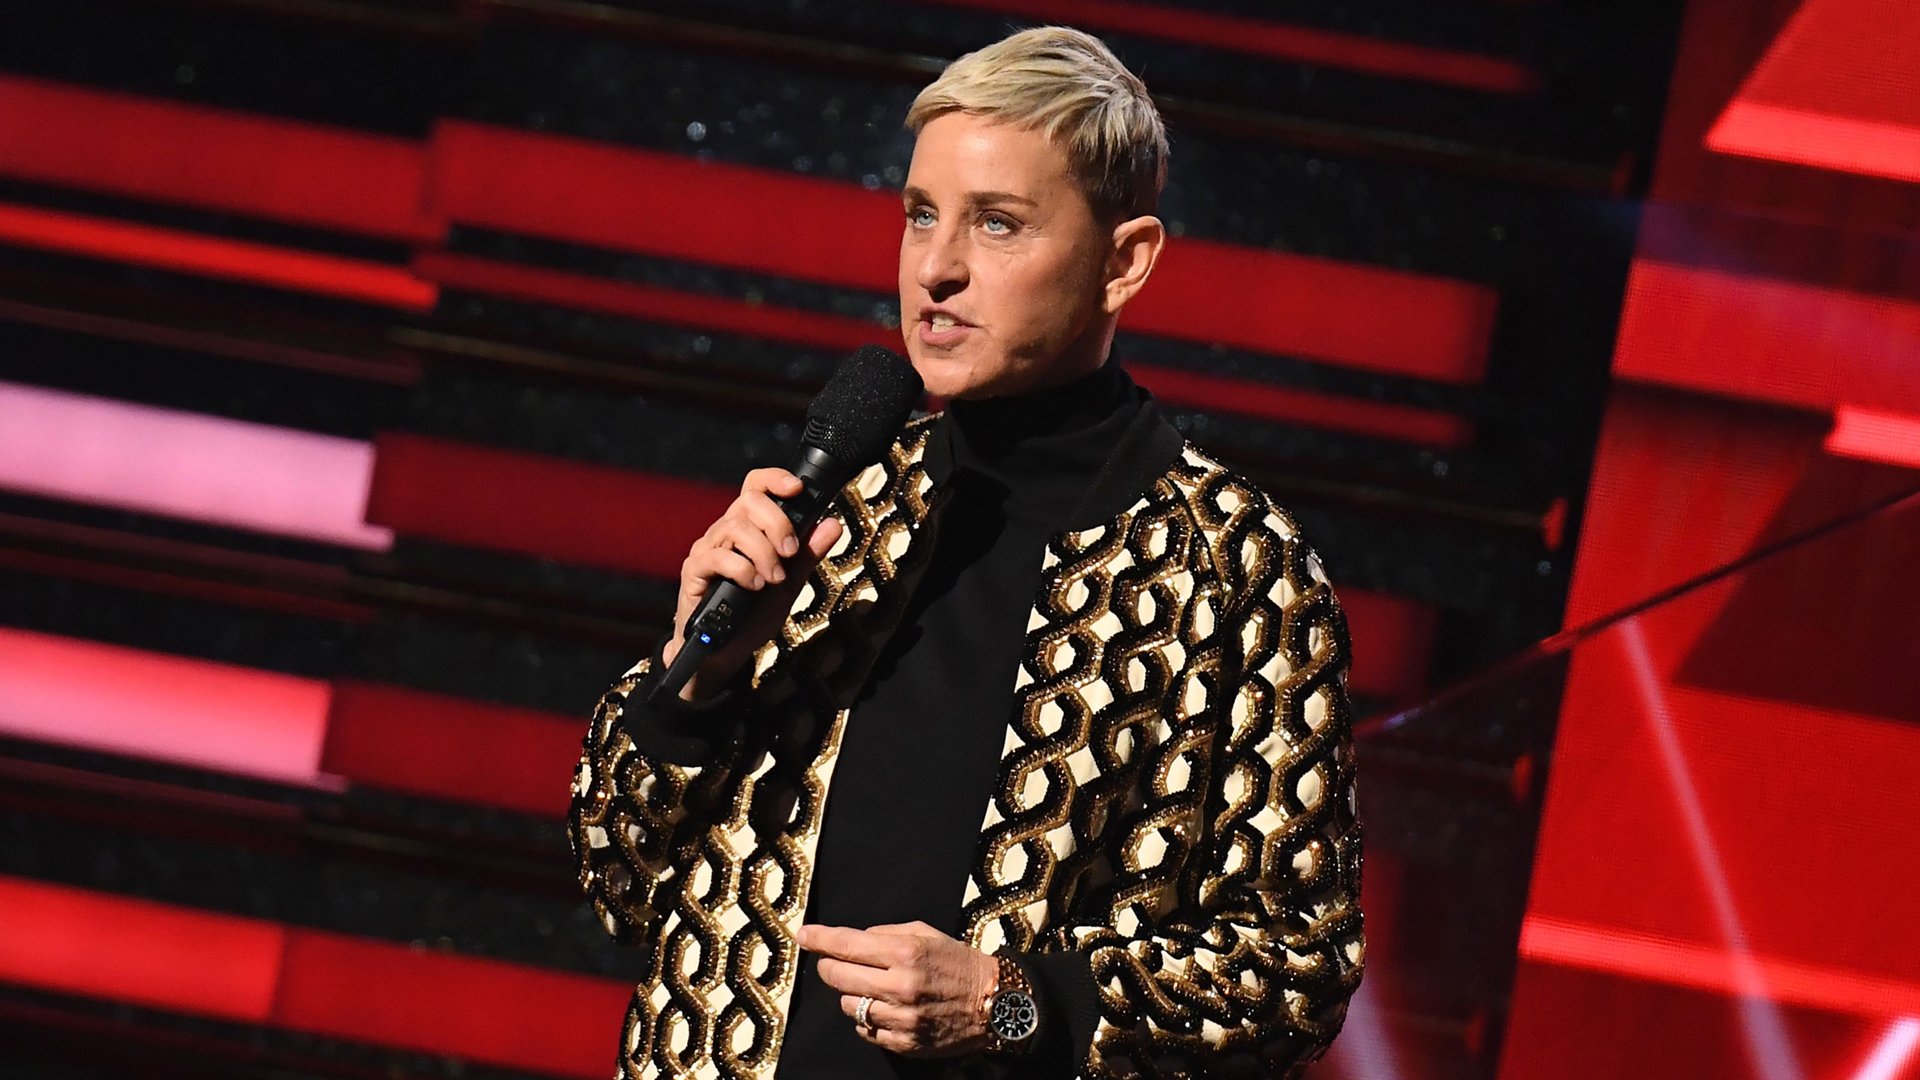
(1013, 1011)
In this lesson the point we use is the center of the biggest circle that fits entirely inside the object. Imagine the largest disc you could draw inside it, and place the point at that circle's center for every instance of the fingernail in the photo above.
(779, 575)
(789, 546)
(758, 581)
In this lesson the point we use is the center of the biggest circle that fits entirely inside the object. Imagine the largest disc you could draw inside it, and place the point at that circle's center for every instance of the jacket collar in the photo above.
(1146, 449)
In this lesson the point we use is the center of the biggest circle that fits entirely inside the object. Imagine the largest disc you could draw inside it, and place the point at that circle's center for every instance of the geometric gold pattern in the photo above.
(1175, 792)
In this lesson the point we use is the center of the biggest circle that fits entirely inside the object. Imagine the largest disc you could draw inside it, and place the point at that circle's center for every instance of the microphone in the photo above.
(850, 423)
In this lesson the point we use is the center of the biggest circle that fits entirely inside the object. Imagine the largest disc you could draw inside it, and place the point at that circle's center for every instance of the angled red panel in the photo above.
(1678, 962)
(1768, 339)
(452, 748)
(95, 944)
(460, 493)
(841, 234)
(194, 155)
(334, 276)
(1658, 1029)
(1838, 89)
(1297, 44)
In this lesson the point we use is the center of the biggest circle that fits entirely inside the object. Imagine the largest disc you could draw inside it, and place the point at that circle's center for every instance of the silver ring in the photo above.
(860, 1013)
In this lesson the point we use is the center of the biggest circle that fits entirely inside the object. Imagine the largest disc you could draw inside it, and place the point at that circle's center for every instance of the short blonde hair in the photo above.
(1071, 87)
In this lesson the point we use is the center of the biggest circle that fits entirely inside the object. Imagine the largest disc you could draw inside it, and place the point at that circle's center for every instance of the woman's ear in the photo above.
(1136, 247)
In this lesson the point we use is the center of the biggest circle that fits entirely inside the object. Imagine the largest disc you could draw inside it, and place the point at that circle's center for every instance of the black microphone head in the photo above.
(863, 406)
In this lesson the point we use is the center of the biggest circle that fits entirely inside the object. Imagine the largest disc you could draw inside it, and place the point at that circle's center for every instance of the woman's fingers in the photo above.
(747, 539)
(769, 520)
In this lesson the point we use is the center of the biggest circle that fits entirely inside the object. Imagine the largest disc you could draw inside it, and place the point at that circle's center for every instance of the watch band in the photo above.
(1012, 1010)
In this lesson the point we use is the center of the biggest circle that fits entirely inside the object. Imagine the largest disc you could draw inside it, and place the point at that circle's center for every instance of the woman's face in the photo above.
(1003, 266)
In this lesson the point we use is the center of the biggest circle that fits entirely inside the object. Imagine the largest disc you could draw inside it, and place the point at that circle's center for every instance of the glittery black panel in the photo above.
(195, 381)
(256, 876)
(715, 105)
(883, 309)
(1444, 805)
(294, 644)
(667, 437)
(506, 848)
(1296, 372)
(561, 675)
(199, 536)
(763, 364)
(46, 1036)
(210, 55)
(560, 588)
(557, 675)
(1590, 108)
(724, 107)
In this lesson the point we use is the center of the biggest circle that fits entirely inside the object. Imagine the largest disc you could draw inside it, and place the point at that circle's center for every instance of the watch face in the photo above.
(1015, 1016)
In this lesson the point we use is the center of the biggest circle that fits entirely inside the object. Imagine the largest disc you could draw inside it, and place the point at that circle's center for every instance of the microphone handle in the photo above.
(722, 610)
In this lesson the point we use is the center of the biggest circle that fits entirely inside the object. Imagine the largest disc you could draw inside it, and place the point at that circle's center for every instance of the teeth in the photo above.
(942, 322)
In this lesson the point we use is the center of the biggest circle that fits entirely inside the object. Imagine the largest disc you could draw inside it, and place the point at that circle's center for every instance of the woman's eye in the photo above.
(998, 226)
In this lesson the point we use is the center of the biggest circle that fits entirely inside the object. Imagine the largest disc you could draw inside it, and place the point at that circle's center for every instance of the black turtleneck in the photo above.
(922, 744)
(919, 755)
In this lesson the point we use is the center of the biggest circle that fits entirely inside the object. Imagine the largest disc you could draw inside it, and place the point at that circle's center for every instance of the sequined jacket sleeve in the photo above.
(1252, 974)
(641, 792)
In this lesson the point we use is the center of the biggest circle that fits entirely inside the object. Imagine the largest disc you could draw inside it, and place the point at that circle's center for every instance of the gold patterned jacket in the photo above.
(1174, 797)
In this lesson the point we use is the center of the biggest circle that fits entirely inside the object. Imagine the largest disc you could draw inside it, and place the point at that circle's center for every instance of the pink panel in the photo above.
(1875, 436)
(171, 708)
(79, 941)
(187, 465)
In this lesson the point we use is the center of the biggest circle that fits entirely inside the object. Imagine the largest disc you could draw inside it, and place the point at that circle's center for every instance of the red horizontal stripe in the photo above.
(511, 1015)
(841, 234)
(839, 333)
(452, 748)
(208, 256)
(186, 960)
(193, 155)
(591, 514)
(666, 204)
(95, 944)
(1402, 423)
(1298, 44)
(1370, 317)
